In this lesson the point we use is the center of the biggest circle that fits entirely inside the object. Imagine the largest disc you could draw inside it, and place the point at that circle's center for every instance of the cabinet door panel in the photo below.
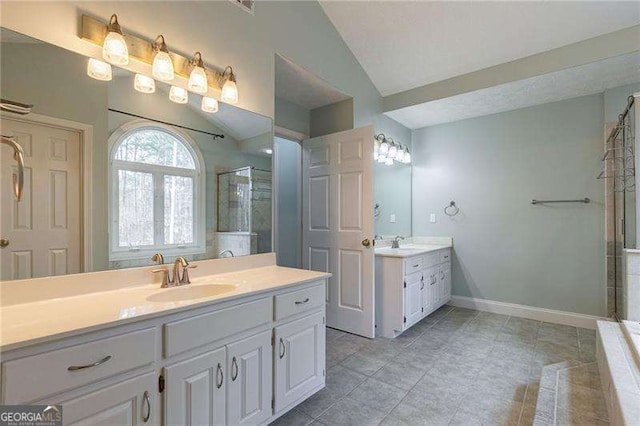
(412, 299)
(445, 277)
(195, 390)
(121, 404)
(300, 359)
(250, 365)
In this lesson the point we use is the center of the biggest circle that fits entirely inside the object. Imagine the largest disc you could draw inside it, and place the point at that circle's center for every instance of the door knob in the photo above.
(4, 242)
(366, 242)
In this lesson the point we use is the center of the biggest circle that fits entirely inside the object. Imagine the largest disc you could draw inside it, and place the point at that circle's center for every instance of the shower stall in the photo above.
(619, 172)
(244, 211)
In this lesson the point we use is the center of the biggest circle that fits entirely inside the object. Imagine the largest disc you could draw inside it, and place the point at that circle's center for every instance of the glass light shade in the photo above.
(99, 70)
(209, 105)
(389, 161)
(393, 150)
(163, 67)
(144, 84)
(382, 158)
(178, 95)
(229, 92)
(399, 155)
(114, 49)
(407, 157)
(384, 148)
(198, 80)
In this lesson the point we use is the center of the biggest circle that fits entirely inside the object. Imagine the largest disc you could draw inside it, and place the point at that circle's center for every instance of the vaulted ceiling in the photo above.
(402, 44)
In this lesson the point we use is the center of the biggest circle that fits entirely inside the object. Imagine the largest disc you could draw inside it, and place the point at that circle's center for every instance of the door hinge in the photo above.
(273, 337)
(323, 321)
(405, 284)
(404, 319)
(422, 309)
(161, 383)
(273, 403)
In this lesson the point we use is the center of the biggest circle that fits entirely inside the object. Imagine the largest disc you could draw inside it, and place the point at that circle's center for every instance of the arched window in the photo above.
(156, 192)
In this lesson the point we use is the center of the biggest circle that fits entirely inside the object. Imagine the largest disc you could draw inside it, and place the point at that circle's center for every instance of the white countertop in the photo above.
(409, 250)
(39, 321)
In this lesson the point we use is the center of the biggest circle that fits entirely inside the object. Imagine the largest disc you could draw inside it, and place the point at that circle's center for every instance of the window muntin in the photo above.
(156, 175)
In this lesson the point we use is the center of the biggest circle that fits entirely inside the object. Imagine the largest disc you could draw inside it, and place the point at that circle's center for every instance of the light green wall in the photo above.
(392, 184)
(289, 178)
(332, 118)
(292, 116)
(505, 248)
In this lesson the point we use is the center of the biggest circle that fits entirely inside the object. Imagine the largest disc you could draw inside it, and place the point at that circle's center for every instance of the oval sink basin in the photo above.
(189, 292)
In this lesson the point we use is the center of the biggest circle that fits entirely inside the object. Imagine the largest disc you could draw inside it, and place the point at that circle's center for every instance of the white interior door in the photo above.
(337, 218)
(44, 229)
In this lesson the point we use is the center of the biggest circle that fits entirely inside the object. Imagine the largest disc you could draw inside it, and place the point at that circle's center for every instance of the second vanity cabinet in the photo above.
(244, 361)
(408, 288)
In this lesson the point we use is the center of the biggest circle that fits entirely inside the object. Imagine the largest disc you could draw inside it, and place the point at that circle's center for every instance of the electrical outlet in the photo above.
(432, 218)
(392, 218)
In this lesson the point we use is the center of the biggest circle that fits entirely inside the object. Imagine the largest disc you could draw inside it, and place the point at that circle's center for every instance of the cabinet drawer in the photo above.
(445, 256)
(299, 301)
(189, 333)
(38, 376)
(431, 259)
(412, 265)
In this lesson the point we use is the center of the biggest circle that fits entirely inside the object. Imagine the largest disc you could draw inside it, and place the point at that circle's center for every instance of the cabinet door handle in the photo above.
(95, 364)
(146, 401)
(302, 302)
(416, 265)
(234, 369)
(441, 275)
(283, 349)
(219, 375)
(422, 286)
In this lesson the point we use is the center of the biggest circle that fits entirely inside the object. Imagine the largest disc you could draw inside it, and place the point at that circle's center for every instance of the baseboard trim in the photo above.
(529, 312)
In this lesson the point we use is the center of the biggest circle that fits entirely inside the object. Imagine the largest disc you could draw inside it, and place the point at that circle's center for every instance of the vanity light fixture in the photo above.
(198, 78)
(178, 95)
(162, 67)
(209, 105)
(99, 70)
(114, 47)
(393, 150)
(407, 156)
(144, 84)
(229, 89)
(399, 154)
(383, 147)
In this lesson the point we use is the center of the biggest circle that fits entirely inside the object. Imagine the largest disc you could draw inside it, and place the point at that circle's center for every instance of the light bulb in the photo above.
(178, 95)
(399, 154)
(114, 47)
(162, 68)
(229, 92)
(198, 78)
(99, 70)
(209, 105)
(407, 157)
(384, 147)
(382, 158)
(144, 84)
(389, 161)
(393, 149)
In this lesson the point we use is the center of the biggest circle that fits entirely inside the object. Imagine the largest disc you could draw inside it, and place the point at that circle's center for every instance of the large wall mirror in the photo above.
(114, 175)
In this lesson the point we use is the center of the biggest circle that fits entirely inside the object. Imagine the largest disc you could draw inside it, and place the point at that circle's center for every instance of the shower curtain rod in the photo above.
(215, 135)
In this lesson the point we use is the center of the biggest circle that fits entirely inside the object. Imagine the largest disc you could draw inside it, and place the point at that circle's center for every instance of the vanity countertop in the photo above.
(23, 324)
(410, 250)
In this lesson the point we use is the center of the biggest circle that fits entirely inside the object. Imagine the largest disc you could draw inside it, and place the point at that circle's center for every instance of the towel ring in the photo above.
(451, 209)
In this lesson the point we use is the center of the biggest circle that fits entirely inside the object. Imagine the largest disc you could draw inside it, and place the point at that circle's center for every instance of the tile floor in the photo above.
(455, 367)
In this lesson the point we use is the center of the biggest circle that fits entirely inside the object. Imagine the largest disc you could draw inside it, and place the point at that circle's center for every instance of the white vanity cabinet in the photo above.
(408, 288)
(243, 361)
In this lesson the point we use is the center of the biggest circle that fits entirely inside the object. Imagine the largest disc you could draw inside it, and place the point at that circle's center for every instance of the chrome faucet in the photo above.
(158, 258)
(396, 241)
(178, 278)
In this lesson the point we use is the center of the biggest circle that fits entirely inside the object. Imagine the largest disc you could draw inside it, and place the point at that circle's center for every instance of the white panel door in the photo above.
(131, 403)
(337, 218)
(300, 359)
(250, 364)
(44, 229)
(195, 390)
(413, 299)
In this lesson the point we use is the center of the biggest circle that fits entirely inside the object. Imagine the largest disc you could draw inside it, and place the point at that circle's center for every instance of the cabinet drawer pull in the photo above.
(441, 275)
(416, 265)
(95, 364)
(234, 369)
(302, 302)
(146, 401)
(219, 376)
(283, 349)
